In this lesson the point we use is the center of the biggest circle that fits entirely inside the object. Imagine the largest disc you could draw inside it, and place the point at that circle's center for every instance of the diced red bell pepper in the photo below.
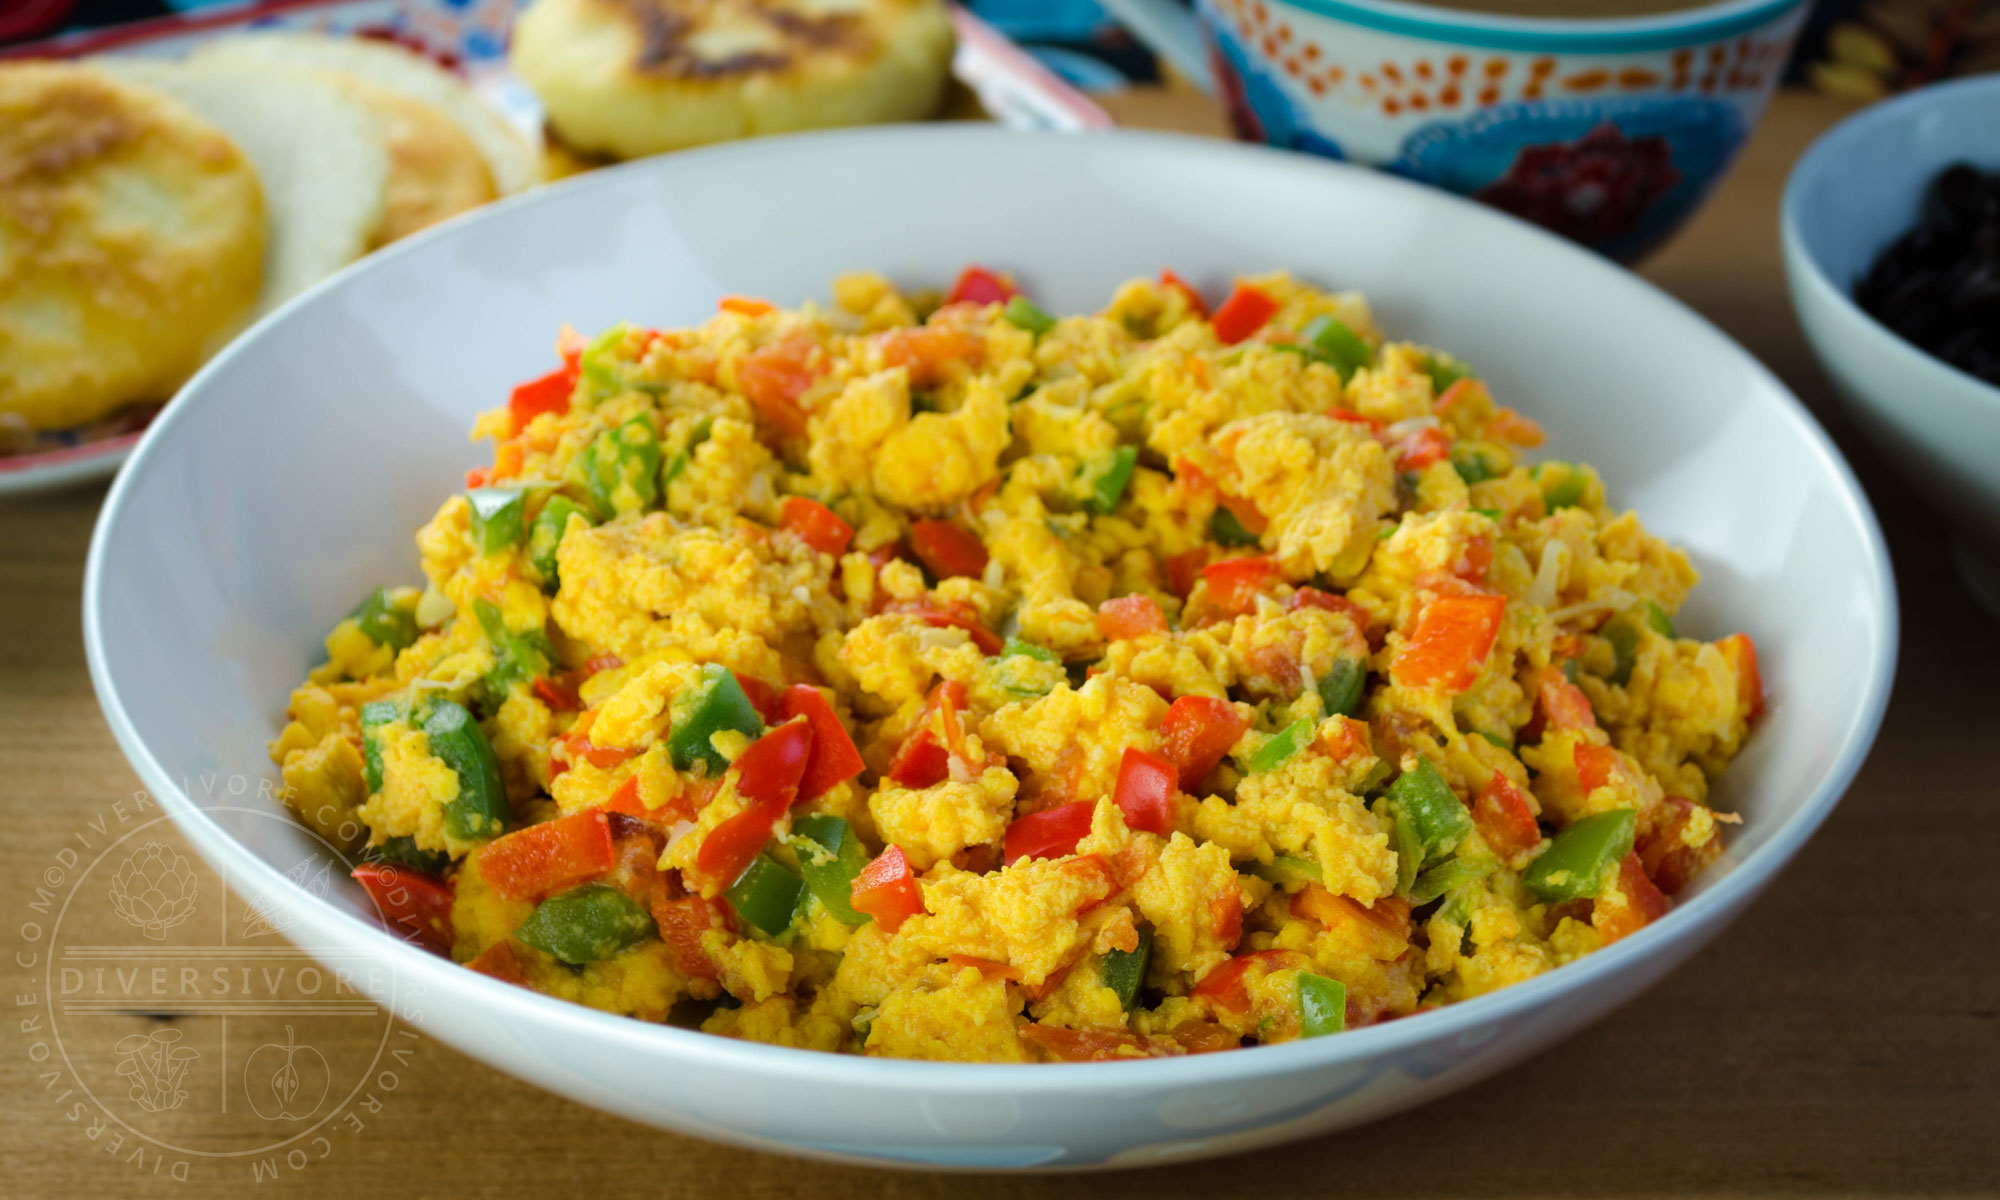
(1372, 424)
(499, 961)
(1312, 597)
(1235, 583)
(1225, 916)
(1050, 833)
(625, 800)
(762, 696)
(1242, 314)
(1742, 654)
(1346, 738)
(1384, 926)
(549, 394)
(1131, 616)
(947, 549)
(977, 285)
(773, 765)
(834, 758)
(1503, 818)
(1514, 429)
(1474, 559)
(1664, 852)
(1168, 279)
(1145, 791)
(924, 758)
(535, 861)
(956, 615)
(816, 525)
(1184, 569)
(681, 923)
(418, 902)
(1225, 984)
(1196, 732)
(475, 477)
(1247, 514)
(558, 693)
(1595, 765)
(748, 306)
(1564, 706)
(887, 890)
(774, 377)
(1453, 636)
(1634, 904)
(1422, 448)
(926, 350)
(730, 846)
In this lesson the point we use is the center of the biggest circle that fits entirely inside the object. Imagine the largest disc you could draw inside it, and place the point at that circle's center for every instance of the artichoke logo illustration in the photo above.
(153, 889)
(156, 1065)
(286, 1082)
(314, 875)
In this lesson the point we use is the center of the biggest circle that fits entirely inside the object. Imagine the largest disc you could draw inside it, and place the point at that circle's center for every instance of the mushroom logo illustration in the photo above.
(153, 889)
(286, 1082)
(157, 1065)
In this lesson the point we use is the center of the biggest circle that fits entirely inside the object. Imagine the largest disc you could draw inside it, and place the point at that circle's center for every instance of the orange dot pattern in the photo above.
(1463, 81)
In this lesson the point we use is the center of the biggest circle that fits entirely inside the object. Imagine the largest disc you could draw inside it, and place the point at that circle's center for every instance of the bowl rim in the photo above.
(1823, 158)
(449, 982)
(1696, 25)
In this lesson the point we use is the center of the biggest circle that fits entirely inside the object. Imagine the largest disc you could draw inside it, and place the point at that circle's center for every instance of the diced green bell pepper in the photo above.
(586, 925)
(1124, 971)
(480, 808)
(767, 895)
(499, 517)
(621, 468)
(1563, 483)
(1449, 876)
(545, 538)
(1024, 313)
(1473, 464)
(1580, 858)
(713, 704)
(1656, 618)
(518, 657)
(1444, 371)
(1322, 1005)
(1225, 528)
(374, 715)
(1430, 820)
(1460, 903)
(1288, 871)
(1027, 649)
(830, 856)
(1281, 746)
(1492, 514)
(598, 362)
(1495, 738)
(385, 622)
(1106, 477)
(1623, 635)
(404, 852)
(1327, 339)
(1341, 687)
(677, 463)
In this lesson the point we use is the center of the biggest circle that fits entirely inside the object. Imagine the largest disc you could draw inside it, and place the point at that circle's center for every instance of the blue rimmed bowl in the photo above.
(1609, 132)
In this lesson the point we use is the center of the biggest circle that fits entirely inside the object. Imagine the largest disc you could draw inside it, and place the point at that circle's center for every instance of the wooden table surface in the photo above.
(1842, 1038)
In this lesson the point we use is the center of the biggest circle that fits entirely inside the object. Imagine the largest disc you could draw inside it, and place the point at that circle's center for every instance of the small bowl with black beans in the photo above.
(1891, 228)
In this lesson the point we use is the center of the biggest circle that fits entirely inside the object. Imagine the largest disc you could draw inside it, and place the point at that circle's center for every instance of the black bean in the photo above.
(1938, 285)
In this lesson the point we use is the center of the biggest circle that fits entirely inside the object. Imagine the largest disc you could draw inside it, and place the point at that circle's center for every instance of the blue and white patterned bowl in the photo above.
(1607, 131)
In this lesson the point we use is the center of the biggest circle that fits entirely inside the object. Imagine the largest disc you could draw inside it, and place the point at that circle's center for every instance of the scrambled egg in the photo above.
(959, 681)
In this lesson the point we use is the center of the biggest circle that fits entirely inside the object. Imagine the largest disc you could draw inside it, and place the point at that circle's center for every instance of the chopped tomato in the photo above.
(626, 801)
(772, 765)
(1225, 986)
(1050, 833)
(774, 377)
(475, 477)
(1595, 765)
(1346, 739)
(1665, 853)
(1145, 791)
(1631, 906)
(947, 549)
(926, 350)
(549, 394)
(559, 693)
(1475, 559)
(1235, 583)
(1422, 448)
(1131, 616)
(1514, 429)
(956, 615)
(499, 961)
(1242, 314)
(1196, 732)
(1095, 1044)
(748, 306)
(1184, 569)
(924, 758)
(834, 759)
(418, 902)
(816, 525)
(1168, 279)
(977, 285)
(1449, 645)
(1373, 424)
(1383, 927)
(1248, 515)
(887, 890)
(1225, 917)
(730, 846)
(682, 922)
(547, 857)
(1503, 817)
(1742, 654)
(1312, 597)
(1564, 706)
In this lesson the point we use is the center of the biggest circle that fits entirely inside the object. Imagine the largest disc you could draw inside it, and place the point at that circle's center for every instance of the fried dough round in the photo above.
(131, 243)
(628, 78)
(435, 168)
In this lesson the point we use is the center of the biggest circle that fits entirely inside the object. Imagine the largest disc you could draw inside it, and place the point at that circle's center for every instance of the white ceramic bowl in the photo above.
(1853, 193)
(289, 476)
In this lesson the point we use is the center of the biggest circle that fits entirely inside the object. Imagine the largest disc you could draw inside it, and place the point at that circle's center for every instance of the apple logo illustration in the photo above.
(286, 1082)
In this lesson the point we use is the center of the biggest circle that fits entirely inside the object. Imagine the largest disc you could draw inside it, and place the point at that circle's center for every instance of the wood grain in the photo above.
(1842, 1039)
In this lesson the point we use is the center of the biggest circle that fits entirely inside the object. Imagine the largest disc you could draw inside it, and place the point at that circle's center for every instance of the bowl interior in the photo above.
(1861, 186)
(289, 477)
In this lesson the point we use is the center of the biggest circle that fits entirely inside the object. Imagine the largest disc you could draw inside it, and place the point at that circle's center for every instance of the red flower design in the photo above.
(1592, 189)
